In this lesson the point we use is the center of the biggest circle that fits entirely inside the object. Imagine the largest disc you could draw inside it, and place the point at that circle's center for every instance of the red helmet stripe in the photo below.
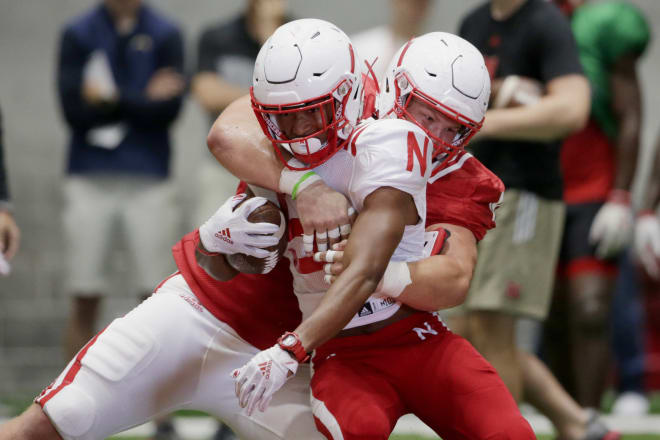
(350, 49)
(403, 52)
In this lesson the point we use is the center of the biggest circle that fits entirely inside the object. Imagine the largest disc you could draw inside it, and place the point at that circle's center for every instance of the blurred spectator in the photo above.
(632, 326)
(516, 262)
(10, 235)
(121, 87)
(381, 43)
(598, 166)
(225, 61)
(628, 340)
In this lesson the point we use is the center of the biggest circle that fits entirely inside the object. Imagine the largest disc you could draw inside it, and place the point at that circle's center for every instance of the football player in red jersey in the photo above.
(143, 365)
(381, 353)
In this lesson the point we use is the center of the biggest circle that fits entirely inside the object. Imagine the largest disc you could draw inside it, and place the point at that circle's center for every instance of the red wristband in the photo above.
(290, 342)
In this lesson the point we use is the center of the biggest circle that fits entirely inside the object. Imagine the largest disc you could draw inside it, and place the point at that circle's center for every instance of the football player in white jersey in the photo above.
(389, 359)
(142, 365)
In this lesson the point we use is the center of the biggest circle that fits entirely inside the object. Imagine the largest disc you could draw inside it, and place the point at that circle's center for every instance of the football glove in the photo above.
(228, 231)
(646, 243)
(257, 381)
(611, 229)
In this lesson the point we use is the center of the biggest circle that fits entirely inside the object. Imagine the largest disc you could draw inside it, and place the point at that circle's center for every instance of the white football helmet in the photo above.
(445, 72)
(306, 65)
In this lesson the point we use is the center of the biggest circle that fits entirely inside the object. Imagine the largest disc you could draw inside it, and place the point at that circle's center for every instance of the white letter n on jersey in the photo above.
(420, 331)
(413, 147)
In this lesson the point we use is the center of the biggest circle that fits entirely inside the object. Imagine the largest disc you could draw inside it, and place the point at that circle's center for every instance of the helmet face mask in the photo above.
(406, 93)
(445, 73)
(307, 69)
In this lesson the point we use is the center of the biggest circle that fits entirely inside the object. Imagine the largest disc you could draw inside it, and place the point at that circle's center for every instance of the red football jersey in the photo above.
(465, 193)
(258, 307)
(262, 307)
(587, 165)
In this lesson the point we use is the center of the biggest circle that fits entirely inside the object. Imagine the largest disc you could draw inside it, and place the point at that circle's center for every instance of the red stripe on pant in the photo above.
(45, 395)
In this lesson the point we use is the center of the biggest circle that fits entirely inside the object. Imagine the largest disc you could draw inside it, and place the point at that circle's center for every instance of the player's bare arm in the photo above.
(376, 234)
(563, 110)
(213, 92)
(437, 282)
(627, 108)
(612, 227)
(239, 144)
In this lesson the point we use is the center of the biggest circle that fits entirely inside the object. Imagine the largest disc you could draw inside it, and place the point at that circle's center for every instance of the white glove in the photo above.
(257, 381)
(229, 232)
(647, 243)
(611, 230)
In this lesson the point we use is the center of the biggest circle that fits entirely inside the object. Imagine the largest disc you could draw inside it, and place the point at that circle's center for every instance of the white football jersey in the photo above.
(381, 153)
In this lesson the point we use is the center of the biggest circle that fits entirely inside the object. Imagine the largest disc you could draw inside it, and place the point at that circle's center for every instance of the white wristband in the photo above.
(293, 182)
(395, 279)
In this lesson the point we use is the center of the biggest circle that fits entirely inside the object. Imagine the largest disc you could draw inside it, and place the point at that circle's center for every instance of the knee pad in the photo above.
(72, 412)
(125, 347)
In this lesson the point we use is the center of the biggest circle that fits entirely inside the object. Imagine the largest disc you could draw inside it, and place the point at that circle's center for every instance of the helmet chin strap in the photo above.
(309, 146)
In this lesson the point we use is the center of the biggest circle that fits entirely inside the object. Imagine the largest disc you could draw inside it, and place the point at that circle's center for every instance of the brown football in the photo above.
(266, 213)
(514, 91)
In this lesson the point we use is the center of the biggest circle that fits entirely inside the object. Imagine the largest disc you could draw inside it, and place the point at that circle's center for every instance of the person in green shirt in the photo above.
(598, 165)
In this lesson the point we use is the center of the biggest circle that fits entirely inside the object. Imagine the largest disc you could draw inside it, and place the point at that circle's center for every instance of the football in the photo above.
(266, 213)
(514, 91)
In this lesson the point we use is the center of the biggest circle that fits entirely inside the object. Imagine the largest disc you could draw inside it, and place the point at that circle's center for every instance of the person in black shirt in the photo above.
(516, 263)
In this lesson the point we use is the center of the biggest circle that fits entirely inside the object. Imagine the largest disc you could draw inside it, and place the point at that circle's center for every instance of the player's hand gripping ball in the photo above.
(266, 213)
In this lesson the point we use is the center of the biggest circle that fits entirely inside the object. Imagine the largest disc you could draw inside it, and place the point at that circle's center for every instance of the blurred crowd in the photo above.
(121, 84)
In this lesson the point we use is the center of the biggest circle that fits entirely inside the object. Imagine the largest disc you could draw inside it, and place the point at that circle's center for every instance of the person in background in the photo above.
(637, 286)
(225, 59)
(377, 45)
(120, 83)
(515, 269)
(10, 234)
(598, 166)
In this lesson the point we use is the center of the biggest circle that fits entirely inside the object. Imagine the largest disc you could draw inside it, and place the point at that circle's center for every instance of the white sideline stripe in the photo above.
(194, 428)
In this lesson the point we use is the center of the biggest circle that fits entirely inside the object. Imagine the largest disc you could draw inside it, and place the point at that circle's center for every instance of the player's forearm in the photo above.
(438, 282)
(340, 303)
(627, 109)
(213, 93)
(554, 116)
(627, 148)
(442, 281)
(376, 234)
(237, 142)
(214, 264)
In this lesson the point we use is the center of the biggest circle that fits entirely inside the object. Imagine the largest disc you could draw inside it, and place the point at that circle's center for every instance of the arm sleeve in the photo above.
(558, 54)
(4, 187)
(140, 110)
(390, 153)
(71, 62)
